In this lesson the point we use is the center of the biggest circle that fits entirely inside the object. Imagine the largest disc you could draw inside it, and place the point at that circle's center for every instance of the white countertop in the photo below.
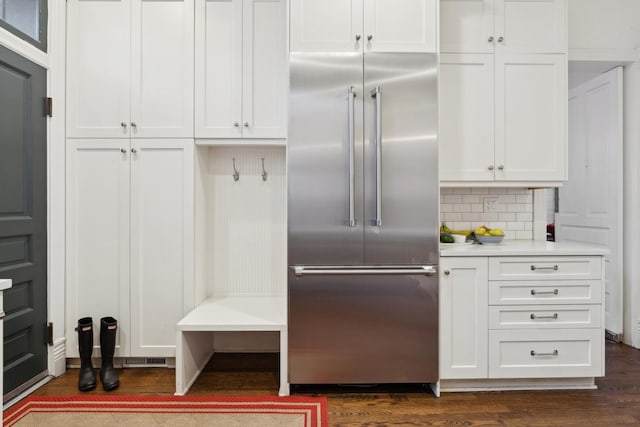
(5, 284)
(521, 248)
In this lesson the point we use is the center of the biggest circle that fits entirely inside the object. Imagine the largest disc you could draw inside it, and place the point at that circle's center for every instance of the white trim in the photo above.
(624, 56)
(539, 215)
(24, 48)
(56, 185)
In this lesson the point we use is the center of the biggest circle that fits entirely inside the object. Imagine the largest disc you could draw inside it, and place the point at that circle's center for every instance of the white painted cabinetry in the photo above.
(241, 69)
(503, 92)
(463, 318)
(129, 68)
(369, 25)
(130, 239)
(520, 317)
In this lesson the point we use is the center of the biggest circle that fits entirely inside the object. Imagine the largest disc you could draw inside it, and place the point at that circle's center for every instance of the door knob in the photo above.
(490, 39)
(236, 124)
(358, 37)
(500, 39)
(501, 167)
(490, 167)
(134, 151)
(369, 37)
(123, 151)
(447, 272)
(123, 125)
(133, 124)
(246, 124)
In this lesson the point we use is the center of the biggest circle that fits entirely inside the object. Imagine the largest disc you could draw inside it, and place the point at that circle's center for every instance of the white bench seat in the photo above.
(194, 336)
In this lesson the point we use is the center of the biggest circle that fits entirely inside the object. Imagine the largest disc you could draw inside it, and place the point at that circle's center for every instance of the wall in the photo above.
(604, 24)
(508, 208)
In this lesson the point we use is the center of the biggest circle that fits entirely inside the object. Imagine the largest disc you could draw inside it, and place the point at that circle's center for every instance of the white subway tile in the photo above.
(480, 190)
(461, 207)
(446, 207)
(477, 207)
(471, 198)
(489, 216)
(506, 216)
(523, 198)
(445, 190)
(516, 207)
(469, 216)
(451, 216)
(524, 216)
(453, 198)
(460, 191)
(524, 235)
(515, 226)
(460, 225)
(498, 191)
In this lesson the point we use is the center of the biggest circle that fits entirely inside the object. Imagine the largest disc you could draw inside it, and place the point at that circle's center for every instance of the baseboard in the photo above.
(447, 386)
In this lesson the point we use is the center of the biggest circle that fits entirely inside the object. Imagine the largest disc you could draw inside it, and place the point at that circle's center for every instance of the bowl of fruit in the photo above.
(486, 235)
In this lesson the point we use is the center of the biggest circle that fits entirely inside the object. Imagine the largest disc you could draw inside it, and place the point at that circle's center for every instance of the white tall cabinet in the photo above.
(369, 25)
(130, 170)
(241, 69)
(130, 239)
(503, 91)
(129, 68)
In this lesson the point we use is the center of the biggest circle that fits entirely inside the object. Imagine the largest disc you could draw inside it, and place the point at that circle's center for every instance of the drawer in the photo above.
(545, 268)
(545, 317)
(545, 292)
(546, 353)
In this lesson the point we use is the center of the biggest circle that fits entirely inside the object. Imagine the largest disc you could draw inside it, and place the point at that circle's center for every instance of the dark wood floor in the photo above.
(615, 403)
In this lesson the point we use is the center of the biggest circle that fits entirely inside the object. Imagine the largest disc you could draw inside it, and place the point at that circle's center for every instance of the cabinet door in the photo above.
(466, 26)
(531, 103)
(161, 243)
(162, 68)
(326, 26)
(97, 235)
(264, 89)
(98, 68)
(218, 73)
(405, 26)
(466, 117)
(531, 26)
(463, 318)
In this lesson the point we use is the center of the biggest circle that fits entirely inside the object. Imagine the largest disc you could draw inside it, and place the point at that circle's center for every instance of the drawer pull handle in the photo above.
(555, 353)
(554, 268)
(534, 317)
(553, 292)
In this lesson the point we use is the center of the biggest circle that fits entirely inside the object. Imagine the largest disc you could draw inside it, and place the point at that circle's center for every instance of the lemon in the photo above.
(480, 231)
(496, 232)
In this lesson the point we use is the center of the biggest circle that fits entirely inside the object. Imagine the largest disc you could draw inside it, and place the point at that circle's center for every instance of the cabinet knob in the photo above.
(236, 124)
(134, 151)
(500, 39)
(490, 167)
(123, 151)
(369, 37)
(246, 124)
(490, 39)
(447, 272)
(133, 124)
(358, 37)
(123, 125)
(501, 167)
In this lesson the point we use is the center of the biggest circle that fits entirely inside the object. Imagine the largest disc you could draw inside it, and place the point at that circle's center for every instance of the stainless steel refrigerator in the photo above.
(363, 197)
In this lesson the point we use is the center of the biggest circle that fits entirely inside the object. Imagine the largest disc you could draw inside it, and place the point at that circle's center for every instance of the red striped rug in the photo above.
(98, 410)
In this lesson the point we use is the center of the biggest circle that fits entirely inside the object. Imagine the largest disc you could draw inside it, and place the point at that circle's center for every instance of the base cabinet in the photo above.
(130, 240)
(521, 317)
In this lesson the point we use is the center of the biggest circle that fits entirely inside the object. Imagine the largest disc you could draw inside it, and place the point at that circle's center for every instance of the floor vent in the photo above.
(133, 362)
(612, 336)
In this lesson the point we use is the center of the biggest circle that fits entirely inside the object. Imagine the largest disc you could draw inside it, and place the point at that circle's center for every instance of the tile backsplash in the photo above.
(508, 208)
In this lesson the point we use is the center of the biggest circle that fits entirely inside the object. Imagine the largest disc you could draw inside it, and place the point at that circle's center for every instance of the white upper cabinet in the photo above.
(241, 69)
(531, 111)
(130, 68)
(485, 26)
(363, 25)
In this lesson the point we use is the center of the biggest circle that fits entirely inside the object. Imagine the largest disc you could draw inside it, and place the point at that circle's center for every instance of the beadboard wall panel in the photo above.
(246, 222)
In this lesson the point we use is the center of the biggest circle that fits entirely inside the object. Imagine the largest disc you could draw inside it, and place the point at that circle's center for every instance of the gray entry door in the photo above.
(23, 210)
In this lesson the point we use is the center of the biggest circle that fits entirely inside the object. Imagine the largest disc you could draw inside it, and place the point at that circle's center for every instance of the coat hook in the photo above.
(236, 174)
(264, 172)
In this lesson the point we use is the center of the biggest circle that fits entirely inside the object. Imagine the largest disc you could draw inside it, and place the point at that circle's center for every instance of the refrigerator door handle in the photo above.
(427, 270)
(352, 175)
(377, 95)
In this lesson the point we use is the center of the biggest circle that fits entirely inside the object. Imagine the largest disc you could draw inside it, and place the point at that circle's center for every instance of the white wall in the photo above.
(609, 30)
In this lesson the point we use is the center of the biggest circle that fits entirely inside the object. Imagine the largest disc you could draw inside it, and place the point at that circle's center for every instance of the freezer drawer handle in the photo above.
(534, 353)
(534, 317)
(300, 271)
(377, 95)
(553, 292)
(352, 174)
(554, 268)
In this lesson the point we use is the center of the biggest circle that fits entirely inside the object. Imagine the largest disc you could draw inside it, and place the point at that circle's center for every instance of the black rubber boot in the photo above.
(108, 375)
(87, 378)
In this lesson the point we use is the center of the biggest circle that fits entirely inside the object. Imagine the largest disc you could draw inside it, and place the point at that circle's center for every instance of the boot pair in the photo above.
(108, 375)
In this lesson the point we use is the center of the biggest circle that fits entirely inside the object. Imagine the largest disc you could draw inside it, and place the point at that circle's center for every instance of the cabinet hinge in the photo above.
(49, 107)
(50, 333)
